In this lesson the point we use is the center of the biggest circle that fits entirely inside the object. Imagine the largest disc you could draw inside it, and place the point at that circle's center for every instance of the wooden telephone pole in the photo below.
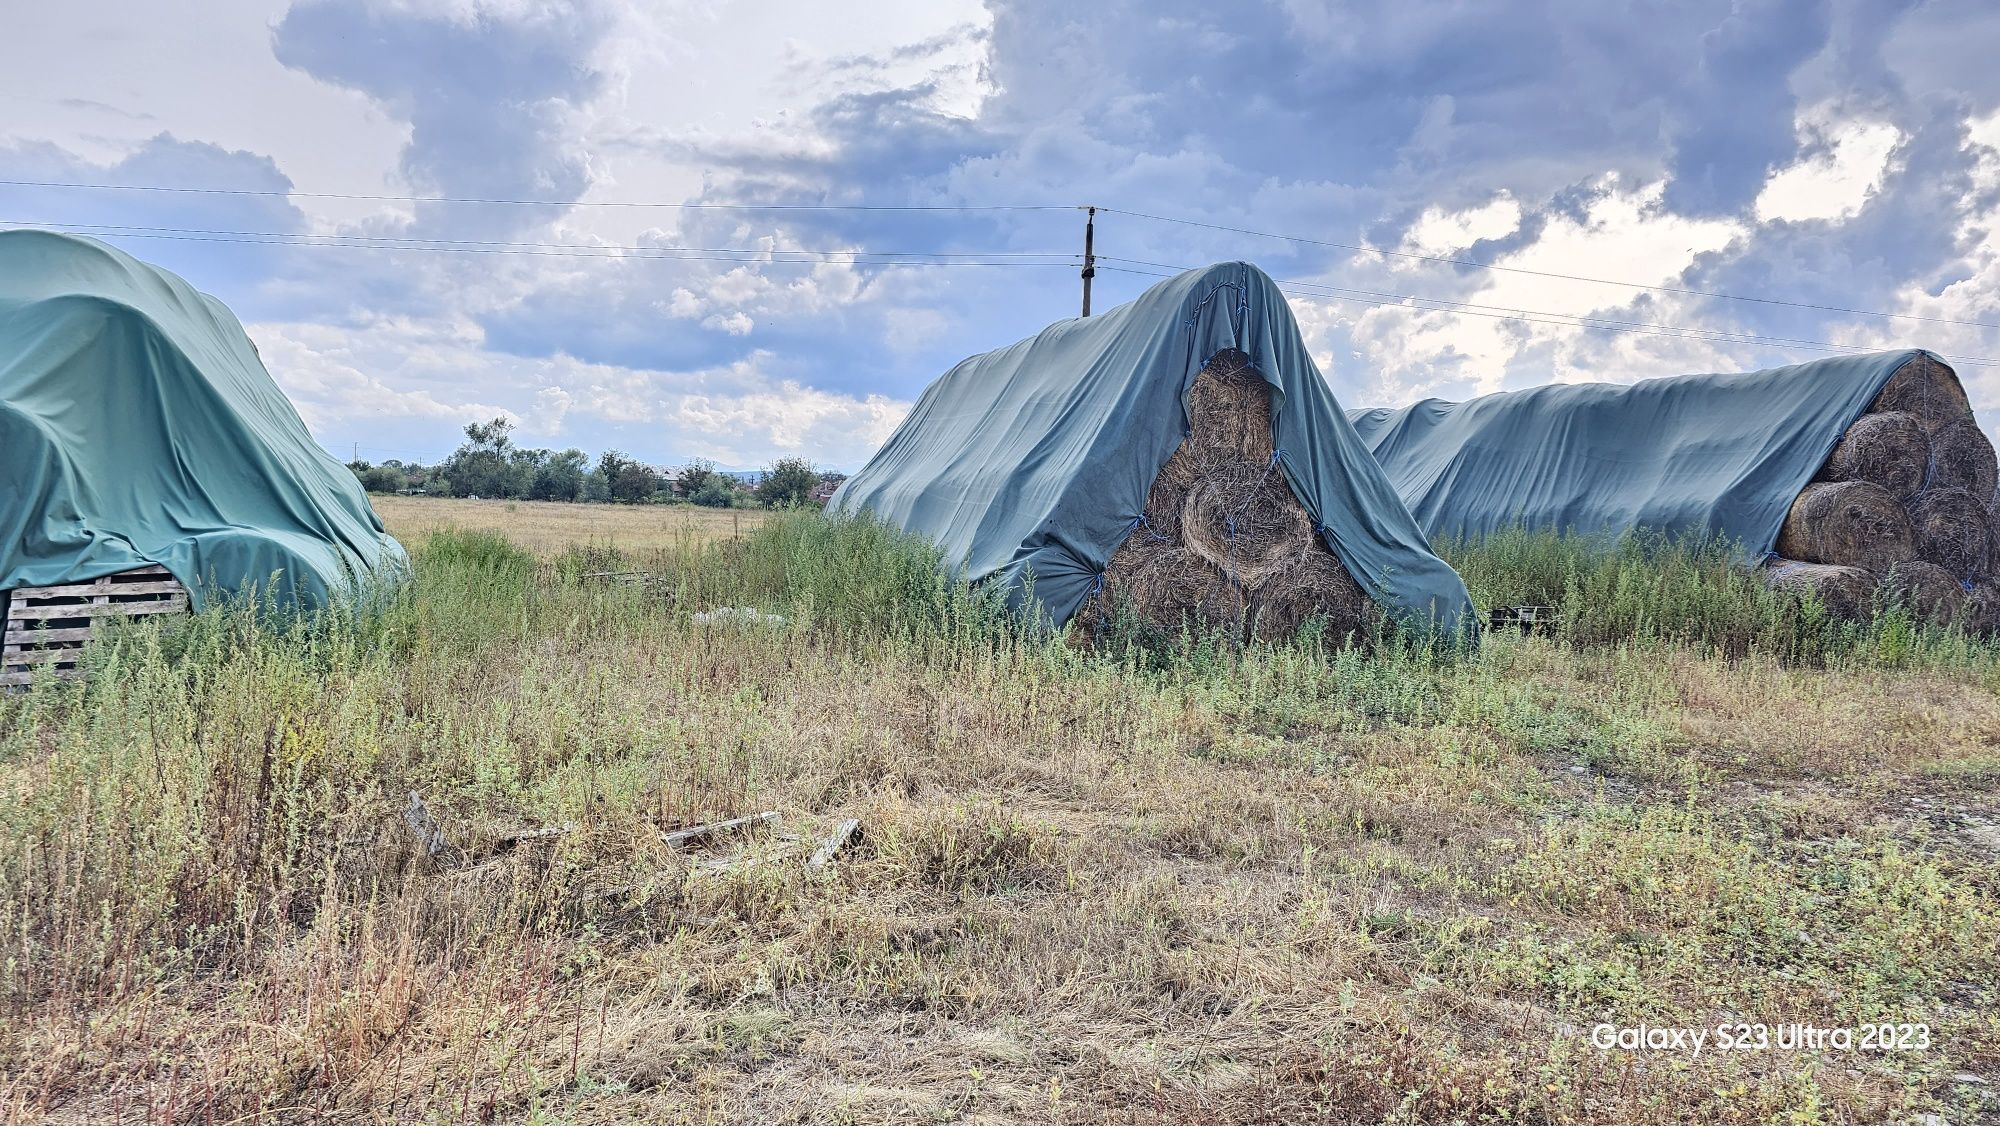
(1089, 255)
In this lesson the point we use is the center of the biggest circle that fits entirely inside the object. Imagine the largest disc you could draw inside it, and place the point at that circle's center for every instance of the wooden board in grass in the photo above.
(1888, 449)
(1846, 592)
(46, 627)
(1847, 524)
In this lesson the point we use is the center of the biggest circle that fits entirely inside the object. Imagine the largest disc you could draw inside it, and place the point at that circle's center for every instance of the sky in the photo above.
(1472, 196)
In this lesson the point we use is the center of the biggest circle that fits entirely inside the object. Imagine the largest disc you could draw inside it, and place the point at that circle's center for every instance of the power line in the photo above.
(1561, 320)
(701, 206)
(746, 255)
(1443, 260)
(411, 242)
(1511, 312)
(751, 255)
(1028, 207)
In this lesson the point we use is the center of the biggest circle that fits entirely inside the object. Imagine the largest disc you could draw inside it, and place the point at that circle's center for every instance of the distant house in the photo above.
(828, 485)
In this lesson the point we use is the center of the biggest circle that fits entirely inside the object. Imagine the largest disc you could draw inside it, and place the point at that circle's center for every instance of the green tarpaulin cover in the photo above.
(1717, 455)
(1037, 458)
(138, 426)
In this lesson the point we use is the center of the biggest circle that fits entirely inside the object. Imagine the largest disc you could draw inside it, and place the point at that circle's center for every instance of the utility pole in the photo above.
(357, 452)
(1089, 255)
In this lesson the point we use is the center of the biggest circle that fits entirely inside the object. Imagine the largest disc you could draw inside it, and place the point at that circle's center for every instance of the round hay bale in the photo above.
(1229, 410)
(1847, 524)
(1927, 590)
(1887, 449)
(1953, 531)
(1189, 464)
(1313, 585)
(1244, 519)
(1982, 608)
(1962, 458)
(1170, 586)
(1928, 389)
(1846, 592)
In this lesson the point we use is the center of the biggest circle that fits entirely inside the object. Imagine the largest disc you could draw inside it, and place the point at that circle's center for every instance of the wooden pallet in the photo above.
(1528, 619)
(48, 625)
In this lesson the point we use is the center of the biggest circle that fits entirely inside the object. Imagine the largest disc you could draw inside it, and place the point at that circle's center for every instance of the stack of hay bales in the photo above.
(1905, 507)
(1224, 544)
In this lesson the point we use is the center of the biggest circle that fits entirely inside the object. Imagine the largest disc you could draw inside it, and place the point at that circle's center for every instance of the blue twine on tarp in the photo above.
(1096, 585)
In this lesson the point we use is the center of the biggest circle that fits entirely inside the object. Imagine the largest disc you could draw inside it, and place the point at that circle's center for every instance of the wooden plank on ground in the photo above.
(95, 590)
(19, 612)
(681, 838)
(16, 656)
(45, 636)
(836, 841)
(17, 679)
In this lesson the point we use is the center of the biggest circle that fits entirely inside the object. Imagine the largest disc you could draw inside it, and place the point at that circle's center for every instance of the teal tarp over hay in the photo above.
(1872, 465)
(1039, 458)
(138, 426)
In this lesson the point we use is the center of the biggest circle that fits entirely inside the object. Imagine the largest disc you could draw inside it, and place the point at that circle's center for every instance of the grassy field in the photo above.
(547, 527)
(1189, 885)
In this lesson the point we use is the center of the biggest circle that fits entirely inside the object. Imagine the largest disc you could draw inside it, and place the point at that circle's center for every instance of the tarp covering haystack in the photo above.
(139, 427)
(1179, 455)
(1853, 478)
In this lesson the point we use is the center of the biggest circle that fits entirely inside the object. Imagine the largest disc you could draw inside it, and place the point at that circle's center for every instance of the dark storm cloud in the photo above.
(488, 96)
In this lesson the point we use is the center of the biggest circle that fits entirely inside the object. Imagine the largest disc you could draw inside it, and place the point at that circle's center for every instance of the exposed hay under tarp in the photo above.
(1954, 531)
(1945, 571)
(1962, 458)
(1243, 519)
(1032, 465)
(1863, 461)
(1927, 590)
(1224, 545)
(1847, 524)
(1846, 592)
(1889, 449)
(1925, 387)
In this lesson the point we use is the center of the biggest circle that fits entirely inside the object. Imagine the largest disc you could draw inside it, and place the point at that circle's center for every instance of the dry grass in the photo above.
(1278, 886)
(548, 527)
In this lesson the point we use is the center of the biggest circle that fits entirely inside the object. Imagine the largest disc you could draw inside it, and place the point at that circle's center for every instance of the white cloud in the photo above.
(1839, 179)
(353, 381)
(735, 324)
(1623, 234)
(1973, 294)
(1438, 232)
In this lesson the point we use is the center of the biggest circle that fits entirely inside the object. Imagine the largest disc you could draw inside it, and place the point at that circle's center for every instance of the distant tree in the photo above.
(715, 492)
(695, 474)
(560, 476)
(596, 489)
(484, 465)
(632, 482)
(788, 484)
(384, 479)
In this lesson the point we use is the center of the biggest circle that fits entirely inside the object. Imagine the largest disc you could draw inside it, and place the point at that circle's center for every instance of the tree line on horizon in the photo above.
(490, 465)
